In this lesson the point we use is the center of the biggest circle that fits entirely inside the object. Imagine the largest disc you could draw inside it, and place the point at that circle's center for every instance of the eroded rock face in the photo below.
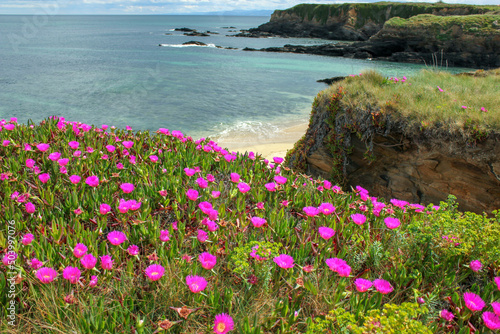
(424, 169)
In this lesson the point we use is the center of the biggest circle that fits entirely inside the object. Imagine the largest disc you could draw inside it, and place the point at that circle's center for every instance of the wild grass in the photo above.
(423, 253)
(429, 98)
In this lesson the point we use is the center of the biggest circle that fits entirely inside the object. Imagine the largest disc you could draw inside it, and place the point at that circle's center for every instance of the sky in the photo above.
(59, 7)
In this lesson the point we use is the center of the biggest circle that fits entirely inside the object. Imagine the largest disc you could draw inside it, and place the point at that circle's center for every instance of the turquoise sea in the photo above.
(111, 70)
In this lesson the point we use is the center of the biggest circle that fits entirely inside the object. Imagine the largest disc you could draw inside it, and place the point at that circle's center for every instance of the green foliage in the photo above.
(392, 318)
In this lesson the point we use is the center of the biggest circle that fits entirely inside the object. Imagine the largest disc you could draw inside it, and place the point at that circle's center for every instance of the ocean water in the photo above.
(111, 70)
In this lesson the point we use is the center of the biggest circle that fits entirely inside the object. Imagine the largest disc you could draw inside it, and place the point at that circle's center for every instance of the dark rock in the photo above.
(185, 29)
(196, 34)
(329, 81)
(194, 43)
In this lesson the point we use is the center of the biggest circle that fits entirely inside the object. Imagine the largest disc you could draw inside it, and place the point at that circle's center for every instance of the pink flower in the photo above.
(473, 302)
(163, 193)
(9, 127)
(497, 282)
(391, 222)
(210, 178)
(6, 142)
(43, 147)
(223, 323)
(202, 236)
(280, 179)
(44, 178)
(383, 286)
(128, 144)
(127, 187)
(72, 274)
(196, 283)
(9, 258)
(116, 237)
(284, 261)
(164, 236)
(205, 207)
(326, 232)
(30, 163)
(79, 250)
(93, 281)
(326, 208)
(358, 218)
(153, 158)
(215, 194)
(212, 226)
(496, 308)
(260, 206)
(476, 265)
(133, 250)
(110, 148)
(119, 165)
(491, 320)
(107, 262)
(311, 211)
(270, 186)
(155, 272)
(464, 107)
(207, 260)
(446, 315)
(77, 153)
(54, 156)
(88, 261)
(399, 203)
(440, 89)
(192, 194)
(29, 207)
(243, 187)
(258, 222)
(63, 162)
(35, 263)
(483, 109)
(46, 275)
(362, 285)
(74, 179)
(92, 181)
(104, 208)
(74, 144)
(189, 171)
(202, 183)
(339, 266)
(27, 239)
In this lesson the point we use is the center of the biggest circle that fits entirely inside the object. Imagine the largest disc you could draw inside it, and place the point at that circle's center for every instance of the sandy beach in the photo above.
(276, 146)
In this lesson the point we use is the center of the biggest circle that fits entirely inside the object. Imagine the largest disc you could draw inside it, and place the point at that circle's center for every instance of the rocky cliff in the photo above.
(393, 157)
(466, 41)
(351, 21)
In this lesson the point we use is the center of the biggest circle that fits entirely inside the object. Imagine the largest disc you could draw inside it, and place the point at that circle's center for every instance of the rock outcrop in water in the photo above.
(350, 21)
(466, 41)
(379, 152)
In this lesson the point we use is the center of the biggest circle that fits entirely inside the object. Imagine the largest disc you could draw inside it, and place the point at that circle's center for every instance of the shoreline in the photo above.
(276, 146)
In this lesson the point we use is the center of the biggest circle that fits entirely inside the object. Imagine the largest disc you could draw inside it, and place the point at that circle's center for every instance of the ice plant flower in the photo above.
(9, 258)
(491, 320)
(30, 163)
(446, 315)
(223, 323)
(79, 250)
(164, 236)
(104, 208)
(257, 221)
(202, 236)
(243, 187)
(476, 265)
(92, 181)
(54, 156)
(128, 144)
(270, 186)
(326, 208)
(284, 261)
(44, 178)
(235, 177)
(88, 261)
(46, 275)
(133, 250)
(362, 285)
(72, 274)
(74, 144)
(196, 283)
(27, 239)
(391, 222)
(280, 179)
(496, 308)
(107, 262)
(110, 148)
(127, 187)
(116, 237)
(215, 194)
(310, 211)
(155, 272)
(30, 207)
(74, 179)
(202, 183)
(43, 147)
(473, 302)
(93, 281)
(192, 194)
(358, 218)
(339, 266)
(189, 171)
(35, 263)
(207, 260)
(383, 286)
(497, 282)
(326, 232)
